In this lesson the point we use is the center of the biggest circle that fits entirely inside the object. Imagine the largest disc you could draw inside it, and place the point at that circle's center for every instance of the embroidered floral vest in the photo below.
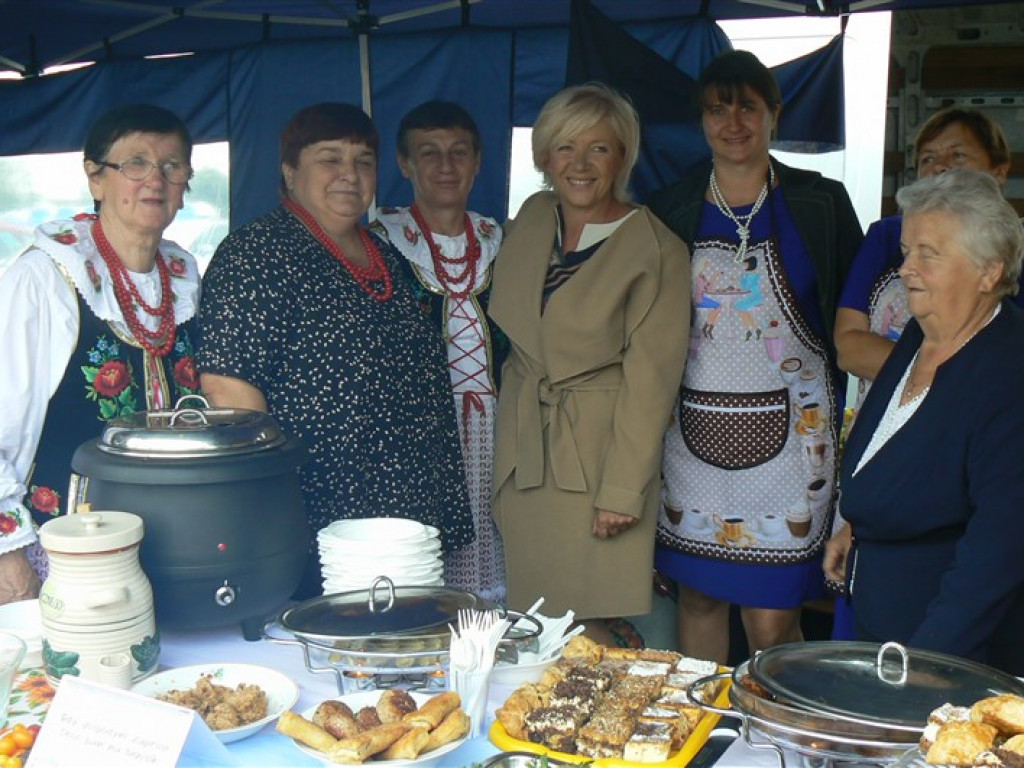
(105, 378)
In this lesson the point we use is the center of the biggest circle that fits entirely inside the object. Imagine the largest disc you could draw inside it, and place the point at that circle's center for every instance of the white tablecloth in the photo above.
(268, 748)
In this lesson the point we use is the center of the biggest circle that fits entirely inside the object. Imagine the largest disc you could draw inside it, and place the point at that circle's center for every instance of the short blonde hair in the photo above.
(578, 108)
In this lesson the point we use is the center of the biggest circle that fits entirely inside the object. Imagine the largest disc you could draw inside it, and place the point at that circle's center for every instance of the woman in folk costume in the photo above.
(750, 457)
(96, 322)
(449, 253)
(592, 292)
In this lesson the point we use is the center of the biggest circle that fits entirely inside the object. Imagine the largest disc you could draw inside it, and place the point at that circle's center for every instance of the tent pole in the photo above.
(364, 77)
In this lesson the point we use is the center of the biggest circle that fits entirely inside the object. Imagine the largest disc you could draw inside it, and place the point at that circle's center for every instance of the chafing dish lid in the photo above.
(367, 613)
(885, 684)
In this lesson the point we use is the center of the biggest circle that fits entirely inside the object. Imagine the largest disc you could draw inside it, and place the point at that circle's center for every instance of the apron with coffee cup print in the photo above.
(750, 455)
(887, 315)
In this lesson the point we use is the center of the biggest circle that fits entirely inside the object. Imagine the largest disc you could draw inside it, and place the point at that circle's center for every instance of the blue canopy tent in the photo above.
(252, 64)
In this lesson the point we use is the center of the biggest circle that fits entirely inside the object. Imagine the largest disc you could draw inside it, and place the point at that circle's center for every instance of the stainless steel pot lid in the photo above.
(385, 611)
(885, 684)
(187, 432)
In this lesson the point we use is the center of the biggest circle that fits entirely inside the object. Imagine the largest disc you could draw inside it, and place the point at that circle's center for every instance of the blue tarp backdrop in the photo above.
(246, 93)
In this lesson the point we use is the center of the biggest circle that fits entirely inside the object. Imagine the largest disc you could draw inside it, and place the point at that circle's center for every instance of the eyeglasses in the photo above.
(138, 169)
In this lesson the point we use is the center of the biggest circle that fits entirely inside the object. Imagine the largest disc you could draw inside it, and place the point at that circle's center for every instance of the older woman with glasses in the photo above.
(96, 321)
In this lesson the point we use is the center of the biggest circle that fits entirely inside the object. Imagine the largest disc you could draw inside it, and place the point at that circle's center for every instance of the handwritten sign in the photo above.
(89, 724)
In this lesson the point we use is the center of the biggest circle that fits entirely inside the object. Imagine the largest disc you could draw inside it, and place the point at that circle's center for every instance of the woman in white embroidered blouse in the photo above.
(95, 322)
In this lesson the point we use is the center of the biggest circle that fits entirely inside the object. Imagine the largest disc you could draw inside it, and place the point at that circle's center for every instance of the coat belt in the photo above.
(542, 406)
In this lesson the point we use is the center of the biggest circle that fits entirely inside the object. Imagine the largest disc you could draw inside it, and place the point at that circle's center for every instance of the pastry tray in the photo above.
(500, 738)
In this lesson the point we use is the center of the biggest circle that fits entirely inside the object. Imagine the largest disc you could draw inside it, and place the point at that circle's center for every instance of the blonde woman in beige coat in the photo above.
(593, 293)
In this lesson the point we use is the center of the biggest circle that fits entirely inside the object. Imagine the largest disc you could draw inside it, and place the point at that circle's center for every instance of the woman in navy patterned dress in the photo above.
(303, 316)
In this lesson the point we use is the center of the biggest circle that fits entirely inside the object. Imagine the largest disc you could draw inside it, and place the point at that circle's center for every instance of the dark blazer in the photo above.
(820, 207)
(938, 512)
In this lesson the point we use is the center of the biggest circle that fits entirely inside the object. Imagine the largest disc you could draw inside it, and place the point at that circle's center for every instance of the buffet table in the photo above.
(270, 748)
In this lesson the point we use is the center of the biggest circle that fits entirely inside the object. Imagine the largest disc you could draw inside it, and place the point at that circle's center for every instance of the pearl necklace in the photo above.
(375, 271)
(128, 297)
(742, 222)
(468, 261)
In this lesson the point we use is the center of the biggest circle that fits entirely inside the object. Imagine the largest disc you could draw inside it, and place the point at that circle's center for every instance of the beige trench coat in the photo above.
(585, 398)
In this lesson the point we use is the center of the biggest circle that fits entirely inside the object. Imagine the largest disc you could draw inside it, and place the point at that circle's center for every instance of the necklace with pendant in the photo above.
(742, 222)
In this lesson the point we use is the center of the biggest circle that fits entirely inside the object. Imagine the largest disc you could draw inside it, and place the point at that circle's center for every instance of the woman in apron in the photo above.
(750, 456)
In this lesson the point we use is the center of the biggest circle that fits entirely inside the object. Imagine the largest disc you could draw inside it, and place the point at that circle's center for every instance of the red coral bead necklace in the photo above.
(375, 272)
(160, 341)
(468, 261)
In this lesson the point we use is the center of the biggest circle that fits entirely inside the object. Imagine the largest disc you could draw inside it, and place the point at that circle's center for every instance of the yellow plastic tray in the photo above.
(500, 738)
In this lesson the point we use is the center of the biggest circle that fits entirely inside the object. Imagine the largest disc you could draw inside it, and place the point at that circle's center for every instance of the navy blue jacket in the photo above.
(938, 512)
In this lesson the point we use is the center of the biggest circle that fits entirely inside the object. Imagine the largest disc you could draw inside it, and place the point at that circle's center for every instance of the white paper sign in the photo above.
(89, 724)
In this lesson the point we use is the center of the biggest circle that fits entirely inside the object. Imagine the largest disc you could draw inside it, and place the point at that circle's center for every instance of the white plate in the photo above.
(281, 690)
(24, 619)
(357, 701)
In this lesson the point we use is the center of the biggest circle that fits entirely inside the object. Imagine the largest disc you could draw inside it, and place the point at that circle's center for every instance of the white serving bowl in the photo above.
(24, 619)
(281, 690)
(514, 675)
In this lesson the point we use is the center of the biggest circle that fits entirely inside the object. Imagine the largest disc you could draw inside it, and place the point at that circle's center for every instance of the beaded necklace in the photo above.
(128, 298)
(375, 272)
(742, 222)
(468, 261)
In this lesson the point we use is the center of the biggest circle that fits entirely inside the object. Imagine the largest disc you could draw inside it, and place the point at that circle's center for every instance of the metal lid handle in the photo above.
(371, 602)
(901, 678)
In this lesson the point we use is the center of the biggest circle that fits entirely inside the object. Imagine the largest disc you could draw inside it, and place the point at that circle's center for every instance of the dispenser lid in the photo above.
(92, 532)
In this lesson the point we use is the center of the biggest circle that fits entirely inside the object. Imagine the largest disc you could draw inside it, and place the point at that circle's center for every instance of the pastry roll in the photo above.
(435, 710)
(408, 747)
(454, 726)
(357, 749)
(299, 728)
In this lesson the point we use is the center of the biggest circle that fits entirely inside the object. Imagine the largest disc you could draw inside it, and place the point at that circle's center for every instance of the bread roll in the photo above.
(435, 710)
(958, 743)
(367, 717)
(1005, 712)
(337, 719)
(299, 728)
(394, 704)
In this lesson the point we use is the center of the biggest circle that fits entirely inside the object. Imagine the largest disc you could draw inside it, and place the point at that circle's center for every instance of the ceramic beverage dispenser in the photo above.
(96, 603)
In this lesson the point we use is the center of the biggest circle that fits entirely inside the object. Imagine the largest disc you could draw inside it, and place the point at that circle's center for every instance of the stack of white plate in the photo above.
(355, 552)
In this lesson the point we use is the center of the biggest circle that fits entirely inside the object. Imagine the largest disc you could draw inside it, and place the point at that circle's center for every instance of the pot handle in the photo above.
(103, 597)
(694, 692)
(768, 745)
(274, 623)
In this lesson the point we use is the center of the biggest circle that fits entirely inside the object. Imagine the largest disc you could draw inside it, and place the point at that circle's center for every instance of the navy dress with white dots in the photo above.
(363, 382)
